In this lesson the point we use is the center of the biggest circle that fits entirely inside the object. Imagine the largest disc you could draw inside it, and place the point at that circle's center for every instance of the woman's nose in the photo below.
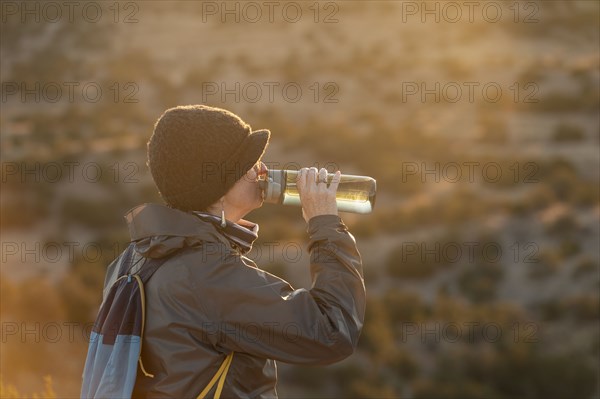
(263, 168)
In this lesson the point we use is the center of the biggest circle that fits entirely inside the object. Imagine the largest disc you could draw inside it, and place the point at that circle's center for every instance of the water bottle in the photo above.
(354, 194)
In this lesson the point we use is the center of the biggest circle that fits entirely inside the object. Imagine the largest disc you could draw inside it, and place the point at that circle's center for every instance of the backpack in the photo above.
(115, 347)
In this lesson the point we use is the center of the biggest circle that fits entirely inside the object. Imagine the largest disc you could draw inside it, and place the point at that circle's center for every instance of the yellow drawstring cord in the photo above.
(220, 375)
(143, 296)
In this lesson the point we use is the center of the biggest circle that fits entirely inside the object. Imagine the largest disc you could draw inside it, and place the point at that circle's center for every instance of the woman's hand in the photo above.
(316, 197)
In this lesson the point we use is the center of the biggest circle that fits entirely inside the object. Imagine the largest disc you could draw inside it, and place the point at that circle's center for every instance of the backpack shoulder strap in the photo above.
(148, 268)
(126, 261)
(149, 265)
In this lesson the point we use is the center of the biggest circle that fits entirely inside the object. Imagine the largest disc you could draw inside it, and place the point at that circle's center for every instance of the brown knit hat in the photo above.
(197, 153)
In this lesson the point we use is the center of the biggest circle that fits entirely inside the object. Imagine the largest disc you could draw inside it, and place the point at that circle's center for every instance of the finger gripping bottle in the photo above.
(355, 194)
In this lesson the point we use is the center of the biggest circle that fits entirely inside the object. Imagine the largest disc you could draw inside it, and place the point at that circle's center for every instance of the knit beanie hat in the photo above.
(197, 153)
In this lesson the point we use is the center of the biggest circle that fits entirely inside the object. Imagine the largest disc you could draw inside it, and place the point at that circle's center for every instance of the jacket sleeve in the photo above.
(262, 315)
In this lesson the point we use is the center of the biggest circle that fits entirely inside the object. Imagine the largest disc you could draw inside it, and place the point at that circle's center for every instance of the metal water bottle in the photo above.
(354, 194)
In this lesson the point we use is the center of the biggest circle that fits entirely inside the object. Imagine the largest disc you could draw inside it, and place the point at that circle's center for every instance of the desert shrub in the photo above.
(569, 248)
(548, 264)
(459, 206)
(560, 221)
(308, 376)
(551, 310)
(365, 228)
(519, 370)
(94, 214)
(404, 364)
(292, 68)
(549, 168)
(527, 371)
(453, 379)
(197, 77)
(23, 210)
(562, 177)
(563, 225)
(47, 64)
(479, 282)
(584, 267)
(81, 288)
(533, 73)
(377, 338)
(455, 68)
(372, 275)
(373, 385)
(506, 173)
(586, 194)
(405, 306)
(583, 308)
(464, 204)
(81, 293)
(537, 198)
(427, 389)
(26, 303)
(557, 101)
(493, 129)
(567, 133)
(371, 380)
(344, 374)
(400, 265)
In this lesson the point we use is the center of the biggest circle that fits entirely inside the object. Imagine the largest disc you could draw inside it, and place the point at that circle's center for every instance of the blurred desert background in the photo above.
(479, 120)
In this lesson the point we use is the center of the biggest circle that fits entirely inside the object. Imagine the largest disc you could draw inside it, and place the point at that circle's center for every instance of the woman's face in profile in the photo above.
(246, 195)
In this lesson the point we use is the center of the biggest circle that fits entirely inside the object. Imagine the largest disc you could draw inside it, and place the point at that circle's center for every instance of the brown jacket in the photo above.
(209, 300)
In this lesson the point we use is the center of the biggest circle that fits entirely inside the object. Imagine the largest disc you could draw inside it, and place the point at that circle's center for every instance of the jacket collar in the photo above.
(149, 220)
(241, 235)
(159, 230)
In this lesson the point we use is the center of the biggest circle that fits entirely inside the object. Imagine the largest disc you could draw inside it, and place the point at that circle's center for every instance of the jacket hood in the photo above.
(158, 230)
